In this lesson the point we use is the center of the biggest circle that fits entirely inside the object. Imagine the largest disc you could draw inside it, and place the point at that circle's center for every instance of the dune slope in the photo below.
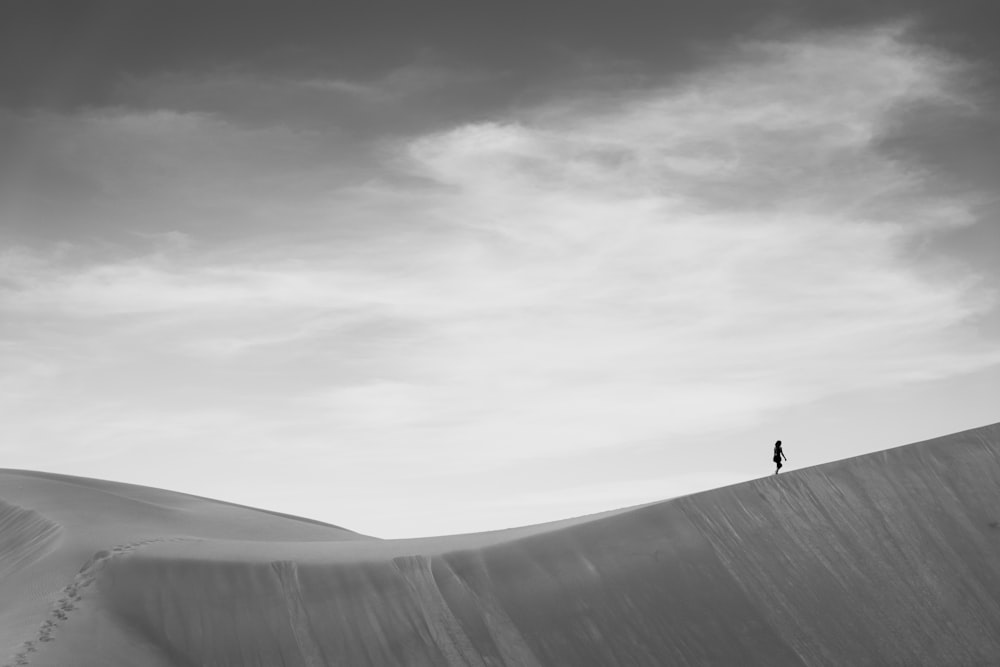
(887, 559)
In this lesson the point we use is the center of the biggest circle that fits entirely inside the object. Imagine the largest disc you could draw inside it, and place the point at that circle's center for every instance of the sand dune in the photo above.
(887, 559)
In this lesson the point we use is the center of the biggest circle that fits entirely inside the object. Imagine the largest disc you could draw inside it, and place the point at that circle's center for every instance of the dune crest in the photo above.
(888, 558)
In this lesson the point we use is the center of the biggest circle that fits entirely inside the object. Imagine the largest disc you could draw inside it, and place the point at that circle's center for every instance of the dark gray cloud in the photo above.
(344, 74)
(71, 54)
(372, 69)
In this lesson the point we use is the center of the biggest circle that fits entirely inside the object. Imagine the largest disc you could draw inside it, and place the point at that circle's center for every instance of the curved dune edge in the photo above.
(888, 558)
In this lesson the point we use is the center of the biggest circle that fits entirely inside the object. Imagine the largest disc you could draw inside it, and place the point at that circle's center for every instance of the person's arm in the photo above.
(783, 455)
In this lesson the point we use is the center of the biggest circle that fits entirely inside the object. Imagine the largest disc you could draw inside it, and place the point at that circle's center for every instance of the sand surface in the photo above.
(887, 559)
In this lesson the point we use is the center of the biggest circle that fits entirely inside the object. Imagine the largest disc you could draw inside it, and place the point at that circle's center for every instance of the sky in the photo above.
(441, 267)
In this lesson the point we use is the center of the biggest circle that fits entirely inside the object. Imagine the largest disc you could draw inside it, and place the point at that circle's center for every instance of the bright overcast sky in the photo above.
(443, 267)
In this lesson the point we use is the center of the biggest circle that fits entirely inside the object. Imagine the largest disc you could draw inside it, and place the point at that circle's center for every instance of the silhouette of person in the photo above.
(778, 455)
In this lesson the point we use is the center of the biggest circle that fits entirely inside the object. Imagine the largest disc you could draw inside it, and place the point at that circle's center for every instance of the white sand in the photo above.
(890, 558)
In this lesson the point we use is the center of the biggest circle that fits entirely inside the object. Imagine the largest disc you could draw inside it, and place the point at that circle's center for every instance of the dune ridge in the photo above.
(891, 558)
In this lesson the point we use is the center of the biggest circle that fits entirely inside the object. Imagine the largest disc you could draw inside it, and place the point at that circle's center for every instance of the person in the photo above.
(778, 455)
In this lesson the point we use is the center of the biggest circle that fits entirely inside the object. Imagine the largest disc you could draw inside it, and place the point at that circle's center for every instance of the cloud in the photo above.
(590, 273)
(418, 78)
(333, 107)
(113, 177)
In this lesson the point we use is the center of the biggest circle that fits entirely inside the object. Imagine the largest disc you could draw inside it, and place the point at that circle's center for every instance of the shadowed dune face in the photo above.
(611, 593)
(25, 535)
(887, 559)
(25, 538)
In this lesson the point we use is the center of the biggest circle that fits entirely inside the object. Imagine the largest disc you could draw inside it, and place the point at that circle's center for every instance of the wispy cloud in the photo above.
(589, 273)
(419, 78)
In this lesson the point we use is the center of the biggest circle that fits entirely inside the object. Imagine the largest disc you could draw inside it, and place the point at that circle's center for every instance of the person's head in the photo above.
(778, 444)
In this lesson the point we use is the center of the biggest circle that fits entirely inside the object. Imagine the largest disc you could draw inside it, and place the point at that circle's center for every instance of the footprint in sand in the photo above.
(71, 594)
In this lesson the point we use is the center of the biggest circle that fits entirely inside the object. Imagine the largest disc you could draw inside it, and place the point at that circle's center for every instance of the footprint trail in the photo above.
(72, 594)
